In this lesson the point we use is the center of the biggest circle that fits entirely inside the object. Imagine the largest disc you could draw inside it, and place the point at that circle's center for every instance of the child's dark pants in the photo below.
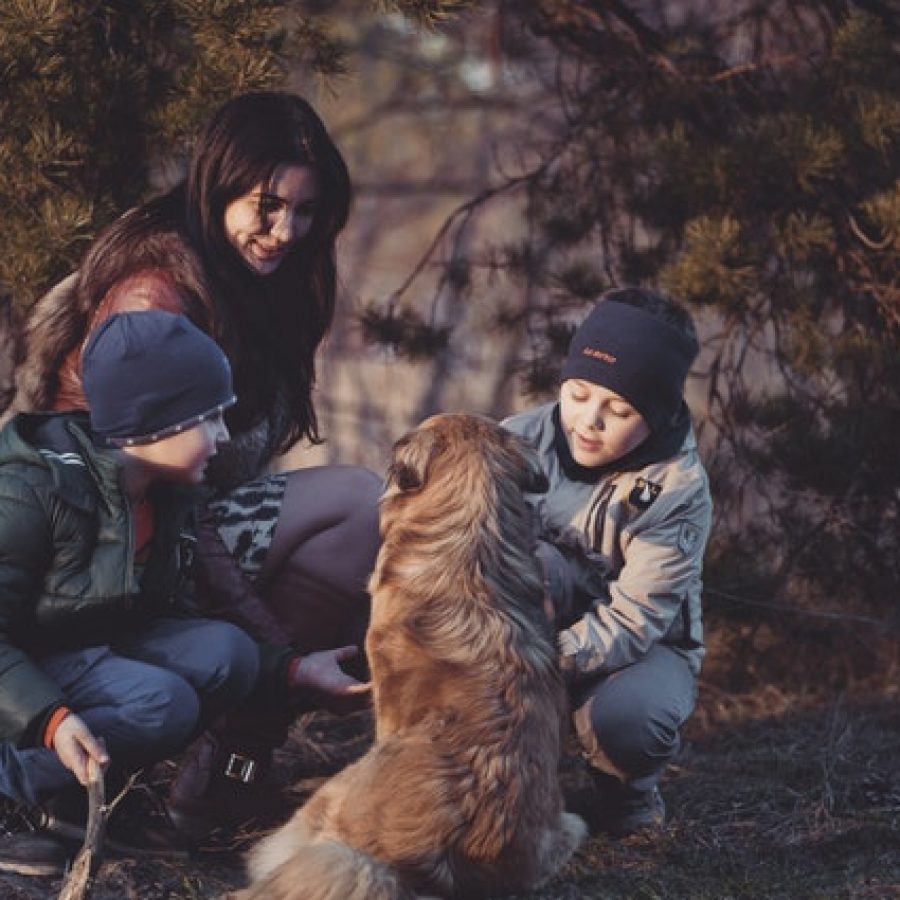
(145, 696)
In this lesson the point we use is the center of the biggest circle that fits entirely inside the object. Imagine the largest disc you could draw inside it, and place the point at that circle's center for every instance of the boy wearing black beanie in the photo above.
(104, 657)
(623, 528)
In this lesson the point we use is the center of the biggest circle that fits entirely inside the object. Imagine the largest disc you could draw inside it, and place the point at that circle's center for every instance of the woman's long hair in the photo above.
(270, 326)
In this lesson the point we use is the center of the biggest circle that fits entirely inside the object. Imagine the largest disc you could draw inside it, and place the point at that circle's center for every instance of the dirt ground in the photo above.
(773, 797)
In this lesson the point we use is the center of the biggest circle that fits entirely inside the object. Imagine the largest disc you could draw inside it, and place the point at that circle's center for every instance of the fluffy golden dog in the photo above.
(459, 796)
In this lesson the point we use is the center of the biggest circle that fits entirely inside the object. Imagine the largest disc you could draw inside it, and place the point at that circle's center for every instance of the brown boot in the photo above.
(223, 782)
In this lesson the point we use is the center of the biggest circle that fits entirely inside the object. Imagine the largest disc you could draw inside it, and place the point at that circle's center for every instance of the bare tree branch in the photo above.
(77, 884)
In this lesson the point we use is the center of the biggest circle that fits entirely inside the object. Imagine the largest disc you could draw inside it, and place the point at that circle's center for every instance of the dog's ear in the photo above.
(411, 456)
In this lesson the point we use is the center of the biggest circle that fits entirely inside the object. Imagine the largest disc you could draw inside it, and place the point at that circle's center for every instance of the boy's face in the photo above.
(183, 457)
(599, 425)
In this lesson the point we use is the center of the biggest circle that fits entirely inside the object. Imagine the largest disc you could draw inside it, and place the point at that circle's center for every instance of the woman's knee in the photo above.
(362, 519)
(357, 510)
(333, 491)
(362, 484)
(353, 498)
(329, 531)
(326, 512)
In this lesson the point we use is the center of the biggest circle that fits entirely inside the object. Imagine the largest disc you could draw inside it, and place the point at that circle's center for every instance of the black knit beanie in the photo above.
(151, 374)
(637, 355)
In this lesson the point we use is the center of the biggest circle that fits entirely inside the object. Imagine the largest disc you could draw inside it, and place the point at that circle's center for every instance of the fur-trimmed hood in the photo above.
(146, 261)
(148, 237)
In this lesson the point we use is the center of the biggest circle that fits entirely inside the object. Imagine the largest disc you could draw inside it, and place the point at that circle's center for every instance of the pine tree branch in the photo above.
(831, 615)
(463, 211)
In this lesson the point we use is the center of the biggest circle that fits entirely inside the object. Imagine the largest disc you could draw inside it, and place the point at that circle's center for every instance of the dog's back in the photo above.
(456, 580)
(460, 794)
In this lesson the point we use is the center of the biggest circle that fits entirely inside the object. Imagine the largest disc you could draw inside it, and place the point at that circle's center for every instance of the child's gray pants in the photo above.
(629, 722)
(145, 696)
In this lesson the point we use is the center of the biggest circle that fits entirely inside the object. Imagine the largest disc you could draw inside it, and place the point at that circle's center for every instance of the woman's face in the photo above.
(269, 221)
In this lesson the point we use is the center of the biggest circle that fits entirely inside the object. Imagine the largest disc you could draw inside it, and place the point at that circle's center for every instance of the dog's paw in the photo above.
(574, 828)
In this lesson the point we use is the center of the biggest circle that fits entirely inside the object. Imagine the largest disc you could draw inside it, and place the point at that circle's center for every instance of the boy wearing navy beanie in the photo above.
(104, 657)
(623, 528)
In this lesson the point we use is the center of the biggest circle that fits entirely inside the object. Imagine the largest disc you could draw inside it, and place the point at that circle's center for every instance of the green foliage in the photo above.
(746, 164)
(404, 331)
(749, 167)
(96, 95)
(580, 279)
(772, 200)
(710, 269)
(428, 12)
(101, 98)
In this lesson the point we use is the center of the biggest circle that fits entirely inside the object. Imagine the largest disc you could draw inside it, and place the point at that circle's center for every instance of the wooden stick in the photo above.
(77, 883)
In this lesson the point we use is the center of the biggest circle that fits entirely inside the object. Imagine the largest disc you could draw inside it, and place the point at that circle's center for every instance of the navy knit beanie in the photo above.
(151, 374)
(635, 354)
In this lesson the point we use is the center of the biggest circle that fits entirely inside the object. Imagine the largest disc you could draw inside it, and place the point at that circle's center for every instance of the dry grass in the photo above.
(775, 796)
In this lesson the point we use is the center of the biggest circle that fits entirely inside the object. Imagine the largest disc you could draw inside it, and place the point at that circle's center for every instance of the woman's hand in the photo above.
(321, 679)
(75, 745)
(321, 671)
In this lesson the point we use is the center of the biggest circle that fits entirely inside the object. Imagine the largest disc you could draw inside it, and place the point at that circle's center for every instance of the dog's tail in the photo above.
(328, 870)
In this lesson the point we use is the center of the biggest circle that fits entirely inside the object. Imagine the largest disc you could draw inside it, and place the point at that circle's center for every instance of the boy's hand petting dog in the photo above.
(75, 745)
(321, 673)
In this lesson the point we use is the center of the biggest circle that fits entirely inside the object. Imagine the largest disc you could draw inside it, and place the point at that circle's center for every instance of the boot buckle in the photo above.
(240, 768)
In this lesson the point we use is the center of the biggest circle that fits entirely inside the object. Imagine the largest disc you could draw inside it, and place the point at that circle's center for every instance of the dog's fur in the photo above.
(459, 796)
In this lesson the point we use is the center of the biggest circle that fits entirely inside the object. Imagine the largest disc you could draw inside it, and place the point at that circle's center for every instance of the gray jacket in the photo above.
(622, 556)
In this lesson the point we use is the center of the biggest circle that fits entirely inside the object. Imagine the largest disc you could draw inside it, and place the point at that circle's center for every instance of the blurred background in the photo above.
(512, 159)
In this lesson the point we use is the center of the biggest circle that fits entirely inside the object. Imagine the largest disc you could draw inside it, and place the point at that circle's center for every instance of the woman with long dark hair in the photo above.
(245, 247)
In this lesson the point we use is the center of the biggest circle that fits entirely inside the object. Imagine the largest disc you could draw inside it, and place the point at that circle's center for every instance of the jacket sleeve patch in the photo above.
(688, 537)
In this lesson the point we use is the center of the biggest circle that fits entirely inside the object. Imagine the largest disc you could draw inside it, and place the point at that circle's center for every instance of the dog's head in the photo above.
(444, 441)
(456, 523)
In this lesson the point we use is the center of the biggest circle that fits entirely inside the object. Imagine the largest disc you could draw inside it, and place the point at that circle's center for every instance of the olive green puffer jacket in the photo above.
(67, 573)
